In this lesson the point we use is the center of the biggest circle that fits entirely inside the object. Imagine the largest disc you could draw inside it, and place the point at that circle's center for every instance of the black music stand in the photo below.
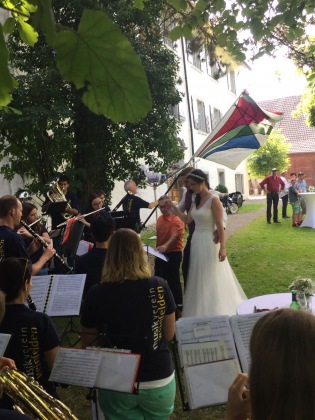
(74, 238)
(123, 220)
(57, 207)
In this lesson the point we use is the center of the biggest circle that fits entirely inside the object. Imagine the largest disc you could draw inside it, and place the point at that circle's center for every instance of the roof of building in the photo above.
(300, 136)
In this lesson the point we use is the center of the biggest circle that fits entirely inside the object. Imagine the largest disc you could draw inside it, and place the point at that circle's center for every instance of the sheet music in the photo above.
(66, 295)
(242, 326)
(40, 288)
(154, 252)
(4, 340)
(205, 352)
(206, 329)
(117, 371)
(62, 292)
(96, 368)
(76, 367)
(84, 247)
(208, 384)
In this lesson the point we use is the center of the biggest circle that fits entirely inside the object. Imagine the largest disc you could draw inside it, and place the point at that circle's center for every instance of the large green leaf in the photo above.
(7, 83)
(99, 58)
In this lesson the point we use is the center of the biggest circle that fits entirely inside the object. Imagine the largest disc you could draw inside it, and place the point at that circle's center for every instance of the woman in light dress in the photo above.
(212, 288)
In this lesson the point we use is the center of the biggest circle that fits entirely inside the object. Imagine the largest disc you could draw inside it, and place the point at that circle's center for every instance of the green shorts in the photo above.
(296, 208)
(149, 404)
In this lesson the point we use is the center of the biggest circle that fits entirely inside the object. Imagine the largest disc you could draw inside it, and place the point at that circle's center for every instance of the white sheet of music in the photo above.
(208, 384)
(154, 252)
(242, 326)
(58, 295)
(4, 340)
(76, 367)
(66, 295)
(40, 288)
(195, 330)
(205, 352)
(96, 368)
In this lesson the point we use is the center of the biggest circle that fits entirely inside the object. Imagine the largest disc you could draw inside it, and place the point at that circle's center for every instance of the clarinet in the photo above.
(45, 245)
(31, 303)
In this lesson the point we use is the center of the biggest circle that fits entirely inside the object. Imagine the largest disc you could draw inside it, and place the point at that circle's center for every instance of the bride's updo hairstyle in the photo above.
(198, 176)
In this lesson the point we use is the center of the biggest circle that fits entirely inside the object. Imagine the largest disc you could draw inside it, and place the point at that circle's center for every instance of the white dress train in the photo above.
(212, 287)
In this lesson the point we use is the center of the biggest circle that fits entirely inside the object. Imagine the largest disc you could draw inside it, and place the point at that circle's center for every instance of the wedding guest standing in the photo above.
(272, 184)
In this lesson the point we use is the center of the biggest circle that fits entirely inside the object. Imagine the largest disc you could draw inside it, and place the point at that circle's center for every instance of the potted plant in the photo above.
(304, 287)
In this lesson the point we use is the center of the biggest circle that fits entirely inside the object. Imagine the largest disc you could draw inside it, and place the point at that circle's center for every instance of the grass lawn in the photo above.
(265, 258)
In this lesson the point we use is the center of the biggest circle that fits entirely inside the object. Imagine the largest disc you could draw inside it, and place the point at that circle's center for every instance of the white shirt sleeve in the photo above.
(181, 204)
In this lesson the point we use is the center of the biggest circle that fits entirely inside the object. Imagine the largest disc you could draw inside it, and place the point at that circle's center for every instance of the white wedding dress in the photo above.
(212, 287)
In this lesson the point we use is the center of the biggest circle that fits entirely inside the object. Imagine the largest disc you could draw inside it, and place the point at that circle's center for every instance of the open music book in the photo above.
(4, 340)
(58, 294)
(212, 351)
(99, 368)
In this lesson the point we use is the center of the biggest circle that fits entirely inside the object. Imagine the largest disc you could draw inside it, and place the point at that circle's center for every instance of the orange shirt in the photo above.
(168, 226)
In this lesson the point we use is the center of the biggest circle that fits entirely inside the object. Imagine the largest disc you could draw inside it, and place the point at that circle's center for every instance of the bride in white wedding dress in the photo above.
(212, 287)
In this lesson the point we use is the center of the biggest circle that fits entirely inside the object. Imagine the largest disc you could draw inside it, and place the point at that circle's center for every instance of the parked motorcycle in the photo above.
(231, 202)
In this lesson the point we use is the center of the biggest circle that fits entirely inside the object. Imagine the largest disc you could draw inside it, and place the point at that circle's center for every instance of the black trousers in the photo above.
(169, 271)
(285, 200)
(272, 199)
(185, 263)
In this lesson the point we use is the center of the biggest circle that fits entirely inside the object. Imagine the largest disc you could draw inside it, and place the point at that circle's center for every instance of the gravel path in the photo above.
(238, 220)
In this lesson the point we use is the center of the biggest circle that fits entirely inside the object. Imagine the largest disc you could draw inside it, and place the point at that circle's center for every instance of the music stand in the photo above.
(57, 207)
(123, 220)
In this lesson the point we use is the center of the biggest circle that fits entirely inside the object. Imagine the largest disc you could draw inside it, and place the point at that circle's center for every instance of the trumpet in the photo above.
(31, 399)
(55, 194)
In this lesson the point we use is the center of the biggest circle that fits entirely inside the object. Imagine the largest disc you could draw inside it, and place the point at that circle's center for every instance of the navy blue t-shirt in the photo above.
(91, 264)
(11, 244)
(132, 205)
(32, 334)
(131, 314)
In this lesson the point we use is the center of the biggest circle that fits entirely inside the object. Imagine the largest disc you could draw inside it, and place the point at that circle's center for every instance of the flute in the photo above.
(82, 215)
(45, 245)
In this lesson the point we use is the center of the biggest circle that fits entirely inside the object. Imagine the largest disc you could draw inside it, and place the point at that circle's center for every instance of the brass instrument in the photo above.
(31, 399)
(55, 194)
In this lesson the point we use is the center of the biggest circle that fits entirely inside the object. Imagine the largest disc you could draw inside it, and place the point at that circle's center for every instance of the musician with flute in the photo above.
(11, 243)
(34, 247)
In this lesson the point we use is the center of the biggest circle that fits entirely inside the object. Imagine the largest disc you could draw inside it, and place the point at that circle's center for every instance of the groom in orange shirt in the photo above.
(170, 242)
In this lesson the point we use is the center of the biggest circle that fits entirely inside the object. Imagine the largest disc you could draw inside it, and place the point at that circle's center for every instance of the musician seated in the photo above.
(34, 342)
(34, 248)
(91, 264)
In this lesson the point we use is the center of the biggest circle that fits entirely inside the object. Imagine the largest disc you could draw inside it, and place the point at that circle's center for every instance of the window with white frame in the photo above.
(231, 80)
(201, 116)
(215, 117)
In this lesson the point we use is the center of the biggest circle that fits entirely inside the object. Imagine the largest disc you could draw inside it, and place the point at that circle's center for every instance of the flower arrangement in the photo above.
(303, 285)
(310, 188)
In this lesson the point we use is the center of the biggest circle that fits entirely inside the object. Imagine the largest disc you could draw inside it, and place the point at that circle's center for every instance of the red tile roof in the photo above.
(300, 136)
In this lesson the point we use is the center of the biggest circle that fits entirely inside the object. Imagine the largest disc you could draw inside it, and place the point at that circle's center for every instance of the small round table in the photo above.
(276, 300)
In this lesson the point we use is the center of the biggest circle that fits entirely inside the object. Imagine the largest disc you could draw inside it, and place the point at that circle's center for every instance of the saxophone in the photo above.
(31, 399)
(56, 194)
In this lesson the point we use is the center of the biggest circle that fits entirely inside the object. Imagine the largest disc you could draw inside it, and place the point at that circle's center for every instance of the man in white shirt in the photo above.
(284, 196)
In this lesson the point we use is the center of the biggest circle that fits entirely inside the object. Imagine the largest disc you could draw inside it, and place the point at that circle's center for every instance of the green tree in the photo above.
(56, 131)
(272, 154)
